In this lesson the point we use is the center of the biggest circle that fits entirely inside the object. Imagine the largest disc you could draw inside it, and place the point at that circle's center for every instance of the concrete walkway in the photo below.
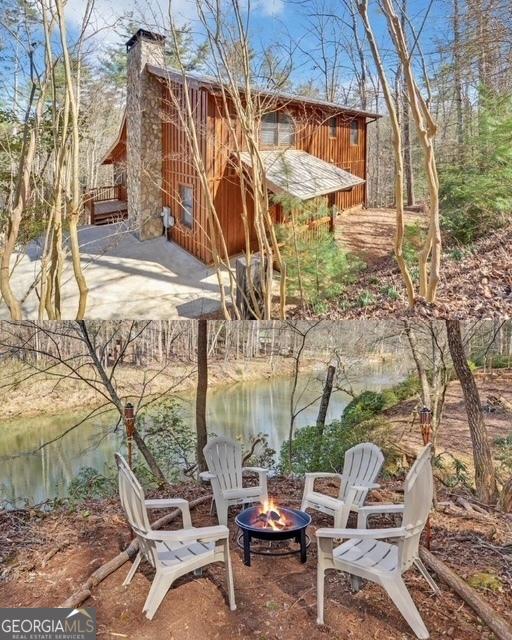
(126, 278)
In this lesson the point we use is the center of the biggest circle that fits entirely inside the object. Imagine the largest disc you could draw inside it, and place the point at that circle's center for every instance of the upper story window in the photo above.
(277, 129)
(333, 127)
(354, 132)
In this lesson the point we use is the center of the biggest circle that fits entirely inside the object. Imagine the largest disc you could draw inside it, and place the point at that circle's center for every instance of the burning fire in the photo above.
(270, 517)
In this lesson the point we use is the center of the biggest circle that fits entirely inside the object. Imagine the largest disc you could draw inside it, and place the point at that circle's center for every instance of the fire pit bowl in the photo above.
(267, 522)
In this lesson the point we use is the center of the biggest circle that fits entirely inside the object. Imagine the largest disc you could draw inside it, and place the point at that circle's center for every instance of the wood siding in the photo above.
(217, 147)
(178, 169)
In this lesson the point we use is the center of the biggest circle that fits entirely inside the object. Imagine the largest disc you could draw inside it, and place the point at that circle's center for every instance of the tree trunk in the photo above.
(485, 475)
(406, 126)
(505, 503)
(326, 396)
(457, 77)
(322, 411)
(202, 389)
(116, 400)
(426, 396)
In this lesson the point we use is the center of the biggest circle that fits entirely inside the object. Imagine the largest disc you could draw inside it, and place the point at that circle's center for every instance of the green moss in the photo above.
(483, 581)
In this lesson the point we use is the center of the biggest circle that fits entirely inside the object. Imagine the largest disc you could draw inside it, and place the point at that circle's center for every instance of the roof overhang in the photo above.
(301, 175)
(108, 157)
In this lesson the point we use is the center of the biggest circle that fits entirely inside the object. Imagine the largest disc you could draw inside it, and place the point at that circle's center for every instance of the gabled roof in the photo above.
(119, 142)
(301, 175)
(197, 80)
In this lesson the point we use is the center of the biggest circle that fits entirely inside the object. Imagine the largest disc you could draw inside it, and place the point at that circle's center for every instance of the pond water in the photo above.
(241, 409)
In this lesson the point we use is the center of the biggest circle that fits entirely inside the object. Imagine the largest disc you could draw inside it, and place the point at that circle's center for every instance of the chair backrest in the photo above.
(425, 452)
(418, 494)
(132, 499)
(224, 459)
(362, 464)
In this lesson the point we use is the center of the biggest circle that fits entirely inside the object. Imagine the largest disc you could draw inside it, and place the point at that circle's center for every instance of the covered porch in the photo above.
(305, 178)
(106, 205)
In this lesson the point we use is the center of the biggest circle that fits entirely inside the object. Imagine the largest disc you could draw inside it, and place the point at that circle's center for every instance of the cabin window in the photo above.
(354, 132)
(285, 130)
(277, 129)
(333, 127)
(187, 206)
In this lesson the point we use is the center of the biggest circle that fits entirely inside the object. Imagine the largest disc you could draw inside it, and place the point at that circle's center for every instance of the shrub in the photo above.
(90, 484)
(366, 299)
(407, 388)
(317, 269)
(337, 439)
(476, 198)
(360, 422)
(170, 440)
(364, 407)
(414, 239)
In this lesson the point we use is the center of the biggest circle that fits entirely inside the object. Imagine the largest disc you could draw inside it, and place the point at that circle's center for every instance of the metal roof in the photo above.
(169, 73)
(302, 175)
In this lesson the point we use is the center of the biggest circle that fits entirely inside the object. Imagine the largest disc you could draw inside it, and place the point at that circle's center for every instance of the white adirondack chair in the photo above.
(366, 554)
(224, 459)
(361, 467)
(398, 509)
(171, 553)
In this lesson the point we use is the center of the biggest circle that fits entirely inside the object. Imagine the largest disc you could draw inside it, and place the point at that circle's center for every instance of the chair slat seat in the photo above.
(173, 554)
(375, 554)
(243, 493)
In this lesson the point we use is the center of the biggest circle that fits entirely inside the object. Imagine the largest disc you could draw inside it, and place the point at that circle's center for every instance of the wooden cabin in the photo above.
(310, 149)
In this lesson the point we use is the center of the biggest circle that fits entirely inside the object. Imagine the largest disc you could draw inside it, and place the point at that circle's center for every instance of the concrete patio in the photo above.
(126, 278)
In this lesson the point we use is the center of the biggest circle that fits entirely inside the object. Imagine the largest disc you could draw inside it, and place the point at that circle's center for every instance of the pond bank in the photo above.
(50, 396)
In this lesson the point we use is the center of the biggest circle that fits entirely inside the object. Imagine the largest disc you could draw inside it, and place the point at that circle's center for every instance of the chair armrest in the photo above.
(323, 475)
(205, 534)
(365, 486)
(207, 476)
(167, 503)
(371, 509)
(259, 470)
(376, 534)
(163, 503)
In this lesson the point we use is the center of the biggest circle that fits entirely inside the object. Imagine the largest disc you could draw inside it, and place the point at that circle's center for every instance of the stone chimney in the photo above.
(144, 134)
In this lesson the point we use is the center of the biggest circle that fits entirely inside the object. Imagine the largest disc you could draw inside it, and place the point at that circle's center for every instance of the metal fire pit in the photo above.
(295, 530)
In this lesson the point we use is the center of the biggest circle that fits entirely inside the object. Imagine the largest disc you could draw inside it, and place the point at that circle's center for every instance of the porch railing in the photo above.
(116, 192)
(111, 192)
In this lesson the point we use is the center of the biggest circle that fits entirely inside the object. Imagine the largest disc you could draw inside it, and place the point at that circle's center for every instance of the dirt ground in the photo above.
(369, 233)
(454, 434)
(276, 598)
(46, 557)
(49, 398)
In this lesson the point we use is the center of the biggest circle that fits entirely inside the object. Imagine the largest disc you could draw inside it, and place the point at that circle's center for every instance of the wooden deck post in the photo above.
(244, 301)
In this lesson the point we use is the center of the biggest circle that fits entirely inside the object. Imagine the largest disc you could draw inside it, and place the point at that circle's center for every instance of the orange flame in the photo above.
(270, 516)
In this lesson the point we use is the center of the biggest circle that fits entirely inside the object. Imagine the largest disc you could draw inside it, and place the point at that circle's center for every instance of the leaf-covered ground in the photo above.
(475, 282)
(50, 556)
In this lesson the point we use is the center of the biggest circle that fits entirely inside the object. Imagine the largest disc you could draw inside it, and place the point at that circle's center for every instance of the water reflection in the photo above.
(243, 409)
